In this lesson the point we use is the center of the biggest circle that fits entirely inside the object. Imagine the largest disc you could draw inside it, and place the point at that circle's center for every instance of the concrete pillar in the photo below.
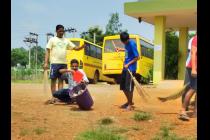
(159, 49)
(183, 43)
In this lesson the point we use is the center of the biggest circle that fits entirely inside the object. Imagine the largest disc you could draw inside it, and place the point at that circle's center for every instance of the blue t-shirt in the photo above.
(130, 53)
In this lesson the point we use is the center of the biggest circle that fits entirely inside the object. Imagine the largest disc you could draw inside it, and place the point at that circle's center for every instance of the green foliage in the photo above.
(191, 35)
(171, 57)
(19, 55)
(39, 130)
(114, 26)
(165, 134)
(99, 134)
(141, 116)
(148, 78)
(120, 130)
(24, 132)
(89, 35)
(40, 57)
(18, 74)
(136, 128)
(106, 121)
(150, 74)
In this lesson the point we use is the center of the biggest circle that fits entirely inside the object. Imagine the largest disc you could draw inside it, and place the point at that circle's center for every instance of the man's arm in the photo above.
(47, 53)
(85, 79)
(79, 47)
(131, 62)
(136, 56)
(46, 60)
(117, 49)
(72, 46)
(64, 71)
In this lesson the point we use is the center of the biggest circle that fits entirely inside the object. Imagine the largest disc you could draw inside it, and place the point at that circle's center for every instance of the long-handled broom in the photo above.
(138, 86)
(176, 95)
(45, 81)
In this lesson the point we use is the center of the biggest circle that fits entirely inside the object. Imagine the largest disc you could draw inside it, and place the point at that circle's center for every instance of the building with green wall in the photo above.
(180, 15)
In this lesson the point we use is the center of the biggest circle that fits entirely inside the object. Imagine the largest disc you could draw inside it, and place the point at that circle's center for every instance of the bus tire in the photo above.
(117, 79)
(96, 77)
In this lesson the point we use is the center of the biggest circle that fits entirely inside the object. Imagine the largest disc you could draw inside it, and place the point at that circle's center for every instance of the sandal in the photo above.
(51, 101)
(125, 105)
(162, 99)
(183, 117)
(129, 108)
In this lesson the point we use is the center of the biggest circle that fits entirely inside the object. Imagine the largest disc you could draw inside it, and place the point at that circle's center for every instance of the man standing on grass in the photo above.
(56, 51)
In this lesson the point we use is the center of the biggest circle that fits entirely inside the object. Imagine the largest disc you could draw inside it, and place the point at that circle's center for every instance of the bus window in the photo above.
(93, 51)
(109, 47)
(99, 53)
(147, 49)
(77, 43)
(87, 49)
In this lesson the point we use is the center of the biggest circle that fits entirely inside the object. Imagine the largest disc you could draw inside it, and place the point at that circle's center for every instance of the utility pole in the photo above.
(94, 37)
(31, 40)
(71, 30)
(48, 36)
(35, 40)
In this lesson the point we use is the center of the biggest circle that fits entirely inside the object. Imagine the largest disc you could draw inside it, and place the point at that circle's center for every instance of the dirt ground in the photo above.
(33, 120)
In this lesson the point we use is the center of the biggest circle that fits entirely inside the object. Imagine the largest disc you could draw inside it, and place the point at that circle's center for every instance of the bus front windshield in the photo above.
(110, 45)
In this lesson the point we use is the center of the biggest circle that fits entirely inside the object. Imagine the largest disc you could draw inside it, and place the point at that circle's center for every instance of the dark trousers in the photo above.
(127, 83)
(63, 95)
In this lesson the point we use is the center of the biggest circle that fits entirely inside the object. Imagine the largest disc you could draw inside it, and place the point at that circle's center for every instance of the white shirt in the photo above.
(190, 44)
(189, 54)
(58, 47)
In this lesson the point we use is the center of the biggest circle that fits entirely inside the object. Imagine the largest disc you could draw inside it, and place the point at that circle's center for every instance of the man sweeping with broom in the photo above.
(190, 83)
(191, 67)
(130, 63)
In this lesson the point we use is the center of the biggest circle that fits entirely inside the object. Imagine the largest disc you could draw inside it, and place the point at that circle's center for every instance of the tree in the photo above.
(171, 58)
(19, 55)
(190, 35)
(89, 35)
(40, 56)
(114, 26)
(172, 55)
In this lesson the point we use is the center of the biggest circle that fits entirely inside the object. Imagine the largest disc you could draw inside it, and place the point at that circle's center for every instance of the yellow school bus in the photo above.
(112, 61)
(90, 60)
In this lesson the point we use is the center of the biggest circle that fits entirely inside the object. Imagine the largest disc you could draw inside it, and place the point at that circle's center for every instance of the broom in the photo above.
(176, 95)
(45, 81)
(138, 86)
